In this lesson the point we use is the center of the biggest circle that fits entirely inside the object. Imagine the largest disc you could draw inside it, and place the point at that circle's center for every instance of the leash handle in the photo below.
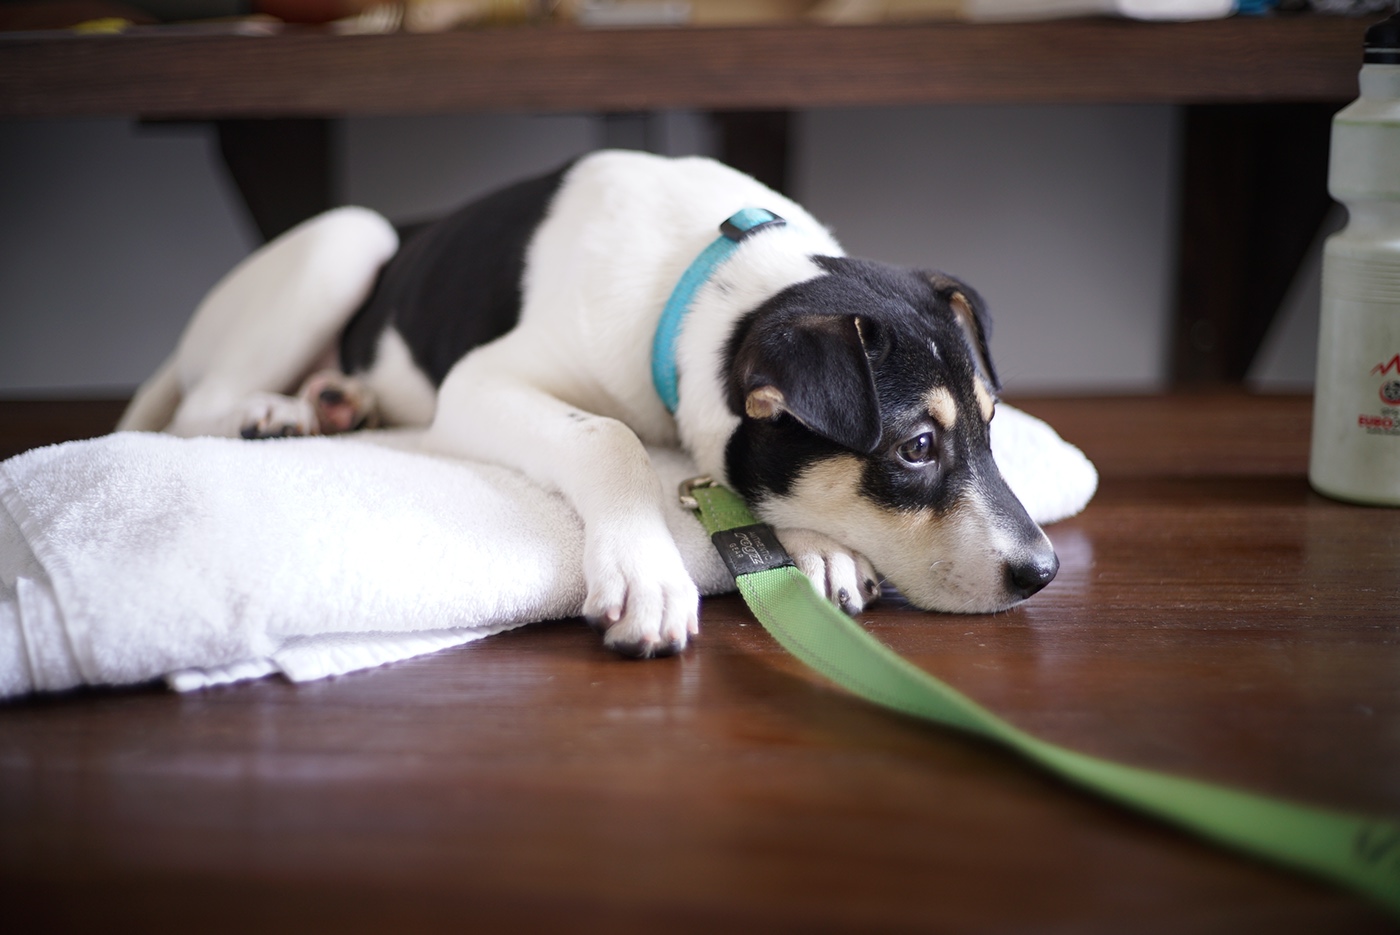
(1356, 851)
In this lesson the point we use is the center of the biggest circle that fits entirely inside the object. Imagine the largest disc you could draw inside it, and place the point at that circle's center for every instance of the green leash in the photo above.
(1357, 852)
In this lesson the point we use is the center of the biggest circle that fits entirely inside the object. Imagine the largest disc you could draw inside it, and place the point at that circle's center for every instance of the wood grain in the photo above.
(544, 68)
(1212, 616)
(29, 423)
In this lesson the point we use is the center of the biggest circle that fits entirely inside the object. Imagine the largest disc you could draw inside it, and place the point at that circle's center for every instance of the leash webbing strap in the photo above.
(1356, 851)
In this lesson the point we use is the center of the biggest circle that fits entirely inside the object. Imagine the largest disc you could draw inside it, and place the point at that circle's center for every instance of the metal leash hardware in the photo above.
(688, 500)
(1355, 851)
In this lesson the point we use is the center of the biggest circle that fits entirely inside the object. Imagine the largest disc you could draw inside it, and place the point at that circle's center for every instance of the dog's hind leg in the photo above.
(155, 401)
(638, 591)
(328, 403)
(342, 403)
(272, 321)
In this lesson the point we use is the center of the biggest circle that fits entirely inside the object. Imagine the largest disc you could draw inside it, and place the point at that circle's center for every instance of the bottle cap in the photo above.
(1383, 42)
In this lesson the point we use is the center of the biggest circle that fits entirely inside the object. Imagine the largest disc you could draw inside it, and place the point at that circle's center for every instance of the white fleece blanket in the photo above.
(203, 561)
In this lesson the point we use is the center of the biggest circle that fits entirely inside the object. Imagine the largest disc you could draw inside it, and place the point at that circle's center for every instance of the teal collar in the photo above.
(663, 349)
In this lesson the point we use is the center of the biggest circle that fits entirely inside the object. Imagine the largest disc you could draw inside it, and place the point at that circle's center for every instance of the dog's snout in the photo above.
(1028, 575)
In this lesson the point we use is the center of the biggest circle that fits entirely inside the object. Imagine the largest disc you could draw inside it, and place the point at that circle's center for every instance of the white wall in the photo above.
(109, 235)
(412, 168)
(1060, 216)
(111, 232)
(1287, 358)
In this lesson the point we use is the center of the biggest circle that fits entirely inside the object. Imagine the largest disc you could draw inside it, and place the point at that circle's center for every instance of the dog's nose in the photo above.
(1026, 576)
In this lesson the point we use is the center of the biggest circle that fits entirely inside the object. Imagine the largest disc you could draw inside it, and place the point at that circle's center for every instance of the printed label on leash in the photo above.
(749, 549)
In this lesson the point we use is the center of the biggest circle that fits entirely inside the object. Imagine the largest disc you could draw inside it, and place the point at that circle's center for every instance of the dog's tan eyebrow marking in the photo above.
(984, 400)
(942, 406)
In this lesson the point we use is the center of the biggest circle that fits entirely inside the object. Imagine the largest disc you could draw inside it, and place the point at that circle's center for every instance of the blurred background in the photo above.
(1064, 216)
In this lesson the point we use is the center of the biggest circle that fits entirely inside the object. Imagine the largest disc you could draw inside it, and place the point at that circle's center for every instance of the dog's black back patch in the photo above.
(455, 283)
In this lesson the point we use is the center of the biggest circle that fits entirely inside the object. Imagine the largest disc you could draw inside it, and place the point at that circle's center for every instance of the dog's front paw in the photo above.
(269, 415)
(843, 576)
(640, 596)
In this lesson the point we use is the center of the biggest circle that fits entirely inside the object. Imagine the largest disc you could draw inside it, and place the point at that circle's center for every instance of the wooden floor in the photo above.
(1212, 616)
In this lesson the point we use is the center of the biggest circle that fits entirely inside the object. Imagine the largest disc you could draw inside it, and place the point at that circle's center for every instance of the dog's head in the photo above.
(865, 398)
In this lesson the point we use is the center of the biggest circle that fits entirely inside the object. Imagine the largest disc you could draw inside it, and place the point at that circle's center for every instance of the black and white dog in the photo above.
(847, 401)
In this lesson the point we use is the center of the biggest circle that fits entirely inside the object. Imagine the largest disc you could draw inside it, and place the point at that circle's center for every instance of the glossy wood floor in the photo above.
(1212, 616)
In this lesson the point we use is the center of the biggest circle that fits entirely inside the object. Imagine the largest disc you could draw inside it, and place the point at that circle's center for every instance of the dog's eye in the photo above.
(917, 450)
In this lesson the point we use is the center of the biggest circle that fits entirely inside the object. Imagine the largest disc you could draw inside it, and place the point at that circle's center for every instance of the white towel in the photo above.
(203, 561)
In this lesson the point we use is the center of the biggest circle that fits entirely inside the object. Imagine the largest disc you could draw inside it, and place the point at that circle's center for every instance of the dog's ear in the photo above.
(814, 368)
(971, 314)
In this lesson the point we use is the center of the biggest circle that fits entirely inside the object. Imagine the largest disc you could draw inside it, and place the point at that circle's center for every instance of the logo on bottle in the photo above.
(1387, 421)
(1387, 366)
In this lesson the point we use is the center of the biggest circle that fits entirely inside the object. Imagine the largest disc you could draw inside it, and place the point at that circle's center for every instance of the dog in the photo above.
(847, 401)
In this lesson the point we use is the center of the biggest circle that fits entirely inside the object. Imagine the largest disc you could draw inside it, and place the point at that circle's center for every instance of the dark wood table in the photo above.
(1213, 616)
(159, 73)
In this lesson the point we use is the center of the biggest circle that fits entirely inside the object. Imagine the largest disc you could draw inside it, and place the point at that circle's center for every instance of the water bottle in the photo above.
(1356, 406)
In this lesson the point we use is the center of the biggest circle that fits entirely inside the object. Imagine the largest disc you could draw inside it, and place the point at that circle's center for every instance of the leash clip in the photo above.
(687, 486)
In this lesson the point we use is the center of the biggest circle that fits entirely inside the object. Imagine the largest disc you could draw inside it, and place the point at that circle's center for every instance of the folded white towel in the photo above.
(203, 561)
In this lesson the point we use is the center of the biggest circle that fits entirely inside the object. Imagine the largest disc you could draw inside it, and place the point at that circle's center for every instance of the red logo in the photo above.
(1383, 369)
(1390, 393)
